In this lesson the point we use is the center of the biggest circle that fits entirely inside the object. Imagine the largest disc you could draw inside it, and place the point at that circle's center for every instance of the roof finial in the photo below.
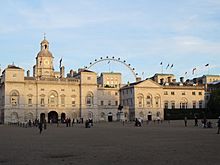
(44, 36)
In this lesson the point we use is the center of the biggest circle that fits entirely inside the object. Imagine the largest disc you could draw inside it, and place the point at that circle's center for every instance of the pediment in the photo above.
(149, 83)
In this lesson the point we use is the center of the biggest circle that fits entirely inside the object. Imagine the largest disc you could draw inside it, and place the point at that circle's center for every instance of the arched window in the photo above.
(53, 99)
(157, 101)
(149, 100)
(89, 99)
(42, 102)
(183, 103)
(73, 99)
(166, 104)
(173, 104)
(140, 99)
(62, 98)
(14, 95)
(30, 100)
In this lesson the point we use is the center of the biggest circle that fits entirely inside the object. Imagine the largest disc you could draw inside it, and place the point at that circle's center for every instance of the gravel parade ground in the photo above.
(111, 144)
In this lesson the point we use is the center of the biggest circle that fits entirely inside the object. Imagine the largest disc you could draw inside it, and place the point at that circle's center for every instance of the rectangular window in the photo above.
(183, 93)
(73, 102)
(109, 102)
(62, 101)
(172, 93)
(102, 103)
(30, 102)
(88, 78)
(116, 93)
(173, 105)
(88, 101)
(200, 104)
(116, 103)
(193, 93)
(14, 101)
(165, 93)
(42, 101)
(62, 90)
(194, 105)
(166, 105)
(200, 93)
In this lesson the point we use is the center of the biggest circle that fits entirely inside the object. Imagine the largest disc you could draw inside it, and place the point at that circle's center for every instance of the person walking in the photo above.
(185, 121)
(40, 127)
(196, 121)
(218, 124)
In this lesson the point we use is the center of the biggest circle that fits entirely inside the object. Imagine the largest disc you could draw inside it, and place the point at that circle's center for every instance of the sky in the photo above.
(142, 32)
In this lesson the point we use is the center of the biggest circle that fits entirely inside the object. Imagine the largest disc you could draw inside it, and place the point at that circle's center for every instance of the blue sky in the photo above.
(142, 32)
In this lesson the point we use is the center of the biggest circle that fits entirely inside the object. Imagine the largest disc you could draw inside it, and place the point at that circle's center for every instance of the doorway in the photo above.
(52, 117)
(110, 117)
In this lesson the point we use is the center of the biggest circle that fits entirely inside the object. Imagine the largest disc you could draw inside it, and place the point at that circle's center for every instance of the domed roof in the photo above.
(44, 49)
(44, 53)
(44, 41)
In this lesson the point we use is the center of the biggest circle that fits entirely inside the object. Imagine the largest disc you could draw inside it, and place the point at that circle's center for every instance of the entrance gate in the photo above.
(52, 117)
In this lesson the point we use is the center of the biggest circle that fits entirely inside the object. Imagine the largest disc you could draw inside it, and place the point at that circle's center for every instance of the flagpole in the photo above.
(208, 69)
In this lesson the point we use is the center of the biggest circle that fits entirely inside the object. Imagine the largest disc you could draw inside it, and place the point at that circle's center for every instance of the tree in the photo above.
(214, 101)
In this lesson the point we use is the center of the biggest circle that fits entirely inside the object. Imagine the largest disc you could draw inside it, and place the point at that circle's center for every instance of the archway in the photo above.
(110, 117)
(63, 117)
(52, 117)
(149, 116)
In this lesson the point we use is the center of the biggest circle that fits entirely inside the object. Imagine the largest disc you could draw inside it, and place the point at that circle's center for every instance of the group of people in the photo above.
(205, 123)
(138, 122)
(89, 123)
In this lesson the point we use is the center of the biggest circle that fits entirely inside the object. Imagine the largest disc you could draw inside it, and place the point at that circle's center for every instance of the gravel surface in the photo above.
(111, 143)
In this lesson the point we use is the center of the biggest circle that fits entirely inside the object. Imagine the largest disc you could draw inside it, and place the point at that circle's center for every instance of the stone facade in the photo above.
(49, 95)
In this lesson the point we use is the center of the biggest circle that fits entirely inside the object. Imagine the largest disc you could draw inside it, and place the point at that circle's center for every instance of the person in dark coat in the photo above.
(218, 124)
(40, 126)
(185, 121)
(196, 121)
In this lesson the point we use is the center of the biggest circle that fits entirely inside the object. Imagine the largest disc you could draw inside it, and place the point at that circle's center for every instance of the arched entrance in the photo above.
(109, 117)
(149, 116)
(52, 117)
(42, 117)
(63, 117)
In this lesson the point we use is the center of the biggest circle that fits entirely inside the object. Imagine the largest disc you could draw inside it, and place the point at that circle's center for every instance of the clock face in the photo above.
(46, 62)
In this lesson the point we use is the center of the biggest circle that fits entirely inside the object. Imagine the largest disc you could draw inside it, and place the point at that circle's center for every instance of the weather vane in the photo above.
(44, 35)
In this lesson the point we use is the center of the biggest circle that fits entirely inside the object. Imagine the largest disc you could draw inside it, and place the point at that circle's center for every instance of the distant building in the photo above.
(147, 99)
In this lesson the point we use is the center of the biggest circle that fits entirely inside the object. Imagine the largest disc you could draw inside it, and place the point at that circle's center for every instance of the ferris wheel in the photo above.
(118, 60)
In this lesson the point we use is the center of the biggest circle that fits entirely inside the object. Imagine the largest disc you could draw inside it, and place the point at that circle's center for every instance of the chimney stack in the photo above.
(62, 72)
(28, 73)
(181, 79)
(71, 73)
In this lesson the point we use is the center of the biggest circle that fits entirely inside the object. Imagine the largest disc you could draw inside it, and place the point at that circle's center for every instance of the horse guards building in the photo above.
(50, 95)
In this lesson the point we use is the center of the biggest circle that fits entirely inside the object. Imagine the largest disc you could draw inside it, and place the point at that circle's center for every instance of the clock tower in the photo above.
(44, 61)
